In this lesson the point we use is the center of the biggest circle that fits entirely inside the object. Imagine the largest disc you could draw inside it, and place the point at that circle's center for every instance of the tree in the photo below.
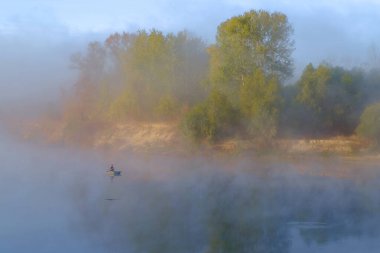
(141, 74)
(250, 59)
(91, 67)
(369, 126)
(259, 102)
(372, 85)
(333, 97)
(154, 65)
(245, 43)
(313, 86)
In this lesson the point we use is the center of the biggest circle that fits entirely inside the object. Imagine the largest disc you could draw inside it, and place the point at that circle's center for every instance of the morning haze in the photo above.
(189, 126)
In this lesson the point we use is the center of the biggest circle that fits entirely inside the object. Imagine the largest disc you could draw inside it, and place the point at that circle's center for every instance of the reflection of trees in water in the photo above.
(237, 222)
(257, 235)
(241, 213)
(223, 215)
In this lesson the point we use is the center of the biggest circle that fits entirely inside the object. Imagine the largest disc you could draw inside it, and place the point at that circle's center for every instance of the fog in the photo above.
(35, 198)
(58, 200)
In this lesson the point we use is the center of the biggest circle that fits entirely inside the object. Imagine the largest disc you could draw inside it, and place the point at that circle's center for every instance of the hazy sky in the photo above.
(34, 33)
(83, 16)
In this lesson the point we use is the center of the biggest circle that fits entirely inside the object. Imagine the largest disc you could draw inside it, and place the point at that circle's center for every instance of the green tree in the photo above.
(139, 70)
(245, 43)
(333, 96)
(313, 86)
(250, 59)
(259, 103)
(152, 65)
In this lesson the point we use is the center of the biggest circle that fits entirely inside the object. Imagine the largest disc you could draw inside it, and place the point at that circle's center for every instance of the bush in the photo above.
(196, 123)
(210, 120)
(369, 126)
(167, 108)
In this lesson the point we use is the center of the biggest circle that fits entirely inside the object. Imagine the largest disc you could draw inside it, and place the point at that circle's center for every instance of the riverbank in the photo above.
(166, 137)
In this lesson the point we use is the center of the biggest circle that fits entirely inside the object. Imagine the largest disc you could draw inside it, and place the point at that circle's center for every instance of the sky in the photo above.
(38, 36)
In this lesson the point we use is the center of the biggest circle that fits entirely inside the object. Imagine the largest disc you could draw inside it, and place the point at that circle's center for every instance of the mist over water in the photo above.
(36, 202)
(55, 200)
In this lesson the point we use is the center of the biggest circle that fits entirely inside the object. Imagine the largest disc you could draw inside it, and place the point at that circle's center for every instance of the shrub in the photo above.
(212, 119)
(196, 123)
(167, 107)
(369, 126)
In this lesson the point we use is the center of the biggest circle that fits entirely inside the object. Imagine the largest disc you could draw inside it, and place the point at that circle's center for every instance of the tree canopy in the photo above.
(141, 74)
(254, 40)
(248, 62)
(333, 96)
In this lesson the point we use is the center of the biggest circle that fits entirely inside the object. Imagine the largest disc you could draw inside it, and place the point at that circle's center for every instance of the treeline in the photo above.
(233, 87)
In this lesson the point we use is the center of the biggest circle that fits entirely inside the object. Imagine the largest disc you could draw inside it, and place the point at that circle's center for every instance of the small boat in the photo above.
(114, 173)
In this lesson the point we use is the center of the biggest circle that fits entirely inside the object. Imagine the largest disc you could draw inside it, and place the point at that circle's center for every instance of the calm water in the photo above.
(55, 200)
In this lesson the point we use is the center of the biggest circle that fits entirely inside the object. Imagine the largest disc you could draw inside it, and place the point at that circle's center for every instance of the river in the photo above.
(55, 199)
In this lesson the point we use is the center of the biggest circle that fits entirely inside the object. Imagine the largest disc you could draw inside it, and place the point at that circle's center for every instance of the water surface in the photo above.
(57, 200)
